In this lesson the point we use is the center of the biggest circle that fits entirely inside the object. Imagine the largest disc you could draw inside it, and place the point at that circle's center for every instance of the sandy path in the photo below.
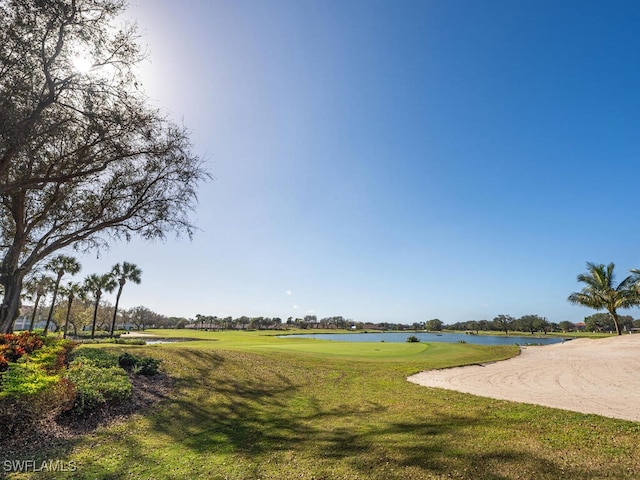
(588, 376)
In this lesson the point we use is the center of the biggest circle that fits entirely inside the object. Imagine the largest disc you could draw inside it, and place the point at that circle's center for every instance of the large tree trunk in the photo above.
(10, 309)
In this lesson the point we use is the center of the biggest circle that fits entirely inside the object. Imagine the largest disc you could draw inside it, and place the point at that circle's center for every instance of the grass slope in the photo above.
(252, 406)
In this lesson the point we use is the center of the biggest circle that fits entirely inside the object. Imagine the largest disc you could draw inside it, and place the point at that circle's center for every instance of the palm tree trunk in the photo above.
(614, 315)
(53, 304)
(115, 311)
(66, 320)
(33, 314)
(95, 316)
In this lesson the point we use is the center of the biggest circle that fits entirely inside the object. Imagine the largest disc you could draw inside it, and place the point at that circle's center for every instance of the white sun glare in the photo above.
(82, 64)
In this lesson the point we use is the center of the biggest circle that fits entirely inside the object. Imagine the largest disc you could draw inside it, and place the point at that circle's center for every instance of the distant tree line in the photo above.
(603, 322)
(506, 323)
(212, 322)
(599, 322)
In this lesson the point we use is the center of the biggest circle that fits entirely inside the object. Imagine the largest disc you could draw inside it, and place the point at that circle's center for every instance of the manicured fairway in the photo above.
(252, 406)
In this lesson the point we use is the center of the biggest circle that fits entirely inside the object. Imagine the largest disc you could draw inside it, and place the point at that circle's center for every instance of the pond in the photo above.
(399, 337)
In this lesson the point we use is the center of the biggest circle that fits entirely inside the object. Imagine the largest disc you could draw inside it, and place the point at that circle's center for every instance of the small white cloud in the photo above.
(289, 292)
(295, 306)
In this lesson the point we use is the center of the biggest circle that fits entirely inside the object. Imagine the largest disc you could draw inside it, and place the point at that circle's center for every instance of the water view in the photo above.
(399, 337)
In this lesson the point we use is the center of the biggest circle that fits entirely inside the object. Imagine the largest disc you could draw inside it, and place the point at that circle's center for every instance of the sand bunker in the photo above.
(589, 376)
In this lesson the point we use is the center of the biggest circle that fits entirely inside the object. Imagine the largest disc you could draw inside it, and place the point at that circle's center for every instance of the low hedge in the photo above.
(96, 386)
(139, 365)
(98, 357)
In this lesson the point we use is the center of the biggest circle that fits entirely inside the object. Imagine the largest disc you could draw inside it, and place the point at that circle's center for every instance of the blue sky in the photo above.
(395, 160)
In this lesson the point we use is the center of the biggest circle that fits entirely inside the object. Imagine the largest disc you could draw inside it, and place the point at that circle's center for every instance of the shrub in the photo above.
(97, 357)
(52, 358)
(27, 415)
(130, 341)
(413, 339)
(96, 386)
(29, 341)
(119, 341)
(32, 373)
(14, 345)
(141, 365)
(26, 379)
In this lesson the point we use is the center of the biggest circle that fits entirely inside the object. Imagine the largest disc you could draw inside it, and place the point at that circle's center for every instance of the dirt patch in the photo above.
(55, 430)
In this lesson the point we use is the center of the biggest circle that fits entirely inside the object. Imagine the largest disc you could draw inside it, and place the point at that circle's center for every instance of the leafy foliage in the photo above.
(83, 157)
(118, 341)
(97, 357)
(26, 379)
(122, 273)
(141, 365)
(435, 324)
(32, 365)
(601, 293)
(52, 358)
(96, 386)
(14, 346)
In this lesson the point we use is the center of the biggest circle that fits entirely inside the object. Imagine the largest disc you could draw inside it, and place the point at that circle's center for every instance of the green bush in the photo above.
(119, 341)
(97, 357)
(130, 341)
(25, 379)
(141, 365)
(413, 339)
(54, 357)
(23, 414)
(96, 386)
(14, 345)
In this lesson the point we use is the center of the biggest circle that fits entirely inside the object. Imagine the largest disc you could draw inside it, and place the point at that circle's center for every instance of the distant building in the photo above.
(23, 321)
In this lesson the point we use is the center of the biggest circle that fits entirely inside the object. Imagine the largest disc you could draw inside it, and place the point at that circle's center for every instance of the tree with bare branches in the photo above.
(84, 159)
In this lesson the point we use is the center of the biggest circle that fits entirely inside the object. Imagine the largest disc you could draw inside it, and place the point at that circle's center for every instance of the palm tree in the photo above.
(59, 265)
(124, 272)
(71, 290)
(36, 288)
(600, 292)
(96, 284)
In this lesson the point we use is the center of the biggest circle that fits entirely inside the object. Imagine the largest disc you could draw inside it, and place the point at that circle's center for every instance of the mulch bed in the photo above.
(54, 431)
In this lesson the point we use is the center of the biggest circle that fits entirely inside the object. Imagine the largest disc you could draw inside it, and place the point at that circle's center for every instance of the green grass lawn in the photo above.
(250, 406)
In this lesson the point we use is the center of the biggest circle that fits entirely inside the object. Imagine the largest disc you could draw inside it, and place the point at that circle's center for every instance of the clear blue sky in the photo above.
(395, 160)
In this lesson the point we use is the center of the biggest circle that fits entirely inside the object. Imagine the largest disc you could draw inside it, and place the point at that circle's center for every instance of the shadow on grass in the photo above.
(234, 405)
